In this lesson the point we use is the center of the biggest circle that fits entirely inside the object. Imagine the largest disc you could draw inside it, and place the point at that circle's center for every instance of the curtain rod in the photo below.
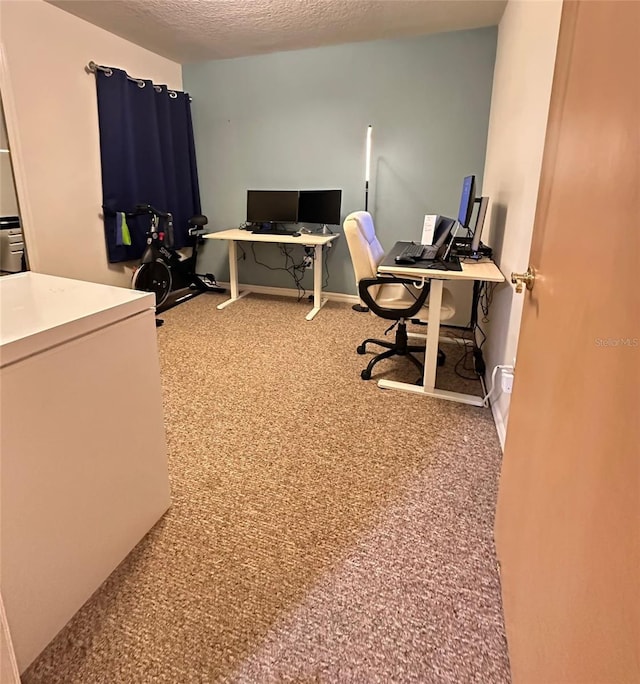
(93, 67)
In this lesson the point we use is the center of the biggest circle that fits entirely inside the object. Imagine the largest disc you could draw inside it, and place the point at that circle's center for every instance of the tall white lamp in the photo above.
(367, 169)
(361, 308)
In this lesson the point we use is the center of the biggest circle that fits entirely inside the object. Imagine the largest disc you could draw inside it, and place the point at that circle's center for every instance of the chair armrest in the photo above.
(392, 314)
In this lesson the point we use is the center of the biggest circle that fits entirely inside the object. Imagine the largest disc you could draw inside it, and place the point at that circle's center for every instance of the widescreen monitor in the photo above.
(272, 206)
(320, 206)
(466, 200)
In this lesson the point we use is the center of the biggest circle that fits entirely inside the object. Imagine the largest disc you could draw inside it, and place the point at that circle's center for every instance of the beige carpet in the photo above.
(322, 529)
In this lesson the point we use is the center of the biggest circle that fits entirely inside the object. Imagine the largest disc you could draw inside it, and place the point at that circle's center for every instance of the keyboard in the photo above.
(429, 252)
(274, 231)
(412, 251)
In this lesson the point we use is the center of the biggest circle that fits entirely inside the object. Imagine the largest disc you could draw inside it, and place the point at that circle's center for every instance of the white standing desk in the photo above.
(486, 271)
(235, 235)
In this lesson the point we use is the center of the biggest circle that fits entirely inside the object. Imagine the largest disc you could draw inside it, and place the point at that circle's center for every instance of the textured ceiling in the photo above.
(198, 30)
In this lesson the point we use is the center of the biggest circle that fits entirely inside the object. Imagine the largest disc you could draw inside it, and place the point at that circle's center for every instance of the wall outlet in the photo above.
(307, 262)
(507, 381)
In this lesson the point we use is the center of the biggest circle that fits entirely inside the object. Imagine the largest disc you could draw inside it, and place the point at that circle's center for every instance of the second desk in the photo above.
(482, 270)
(315, 240)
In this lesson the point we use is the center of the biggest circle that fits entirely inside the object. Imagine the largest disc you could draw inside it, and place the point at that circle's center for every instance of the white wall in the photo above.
(8, 665)
(8, 200)
(52, 121)
(527, 42)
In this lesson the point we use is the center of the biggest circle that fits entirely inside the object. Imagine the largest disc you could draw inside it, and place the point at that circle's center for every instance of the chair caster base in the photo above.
(361, 349)
(365, 374)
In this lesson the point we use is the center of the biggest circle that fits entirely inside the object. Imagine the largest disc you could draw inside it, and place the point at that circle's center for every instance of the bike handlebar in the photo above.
(167, 228)
(197, 221)
(148, 209)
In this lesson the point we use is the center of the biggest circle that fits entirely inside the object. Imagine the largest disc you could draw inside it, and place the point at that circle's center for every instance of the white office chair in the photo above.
(390, 298)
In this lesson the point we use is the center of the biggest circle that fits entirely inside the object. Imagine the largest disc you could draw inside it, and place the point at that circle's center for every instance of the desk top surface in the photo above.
(471, 270)
(248, 236)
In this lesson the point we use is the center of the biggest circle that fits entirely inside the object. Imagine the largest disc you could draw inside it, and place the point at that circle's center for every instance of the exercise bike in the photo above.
(162, 269)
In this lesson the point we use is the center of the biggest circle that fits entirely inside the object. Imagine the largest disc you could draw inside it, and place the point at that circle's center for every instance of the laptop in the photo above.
(436, 251)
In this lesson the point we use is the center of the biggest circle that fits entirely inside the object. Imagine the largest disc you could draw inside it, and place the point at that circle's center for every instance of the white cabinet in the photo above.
(11, 244)
(82, 446)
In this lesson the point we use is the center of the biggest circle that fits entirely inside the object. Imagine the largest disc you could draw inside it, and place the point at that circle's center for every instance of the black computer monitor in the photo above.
(466, 200)
(477, 231)
(320, 206)
(272, 206)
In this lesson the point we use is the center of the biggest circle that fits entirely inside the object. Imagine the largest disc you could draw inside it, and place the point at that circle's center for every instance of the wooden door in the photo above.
(568, 516)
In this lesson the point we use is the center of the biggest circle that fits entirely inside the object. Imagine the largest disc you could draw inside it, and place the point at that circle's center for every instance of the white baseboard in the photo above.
(498, 419)
(340, 297)
(291, 292)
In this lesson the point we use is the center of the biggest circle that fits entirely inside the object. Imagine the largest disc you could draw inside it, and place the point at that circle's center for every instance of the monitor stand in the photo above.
(462, 248)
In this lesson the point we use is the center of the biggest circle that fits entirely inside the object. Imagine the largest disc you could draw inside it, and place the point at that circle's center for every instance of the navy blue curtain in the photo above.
(148, 157)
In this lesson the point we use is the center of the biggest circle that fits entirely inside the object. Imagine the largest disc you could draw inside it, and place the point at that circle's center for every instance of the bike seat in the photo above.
(199, 220)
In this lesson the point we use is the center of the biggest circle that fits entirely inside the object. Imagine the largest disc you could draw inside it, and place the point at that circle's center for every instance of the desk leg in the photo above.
(318, 303)
(431, 358)
(233, 276)
(433, 335)
(233, 268)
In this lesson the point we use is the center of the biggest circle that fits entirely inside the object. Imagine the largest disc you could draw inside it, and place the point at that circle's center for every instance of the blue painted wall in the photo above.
(297, 120)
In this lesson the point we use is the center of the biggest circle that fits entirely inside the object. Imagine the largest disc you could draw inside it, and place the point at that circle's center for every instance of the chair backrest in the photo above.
(364, 247)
